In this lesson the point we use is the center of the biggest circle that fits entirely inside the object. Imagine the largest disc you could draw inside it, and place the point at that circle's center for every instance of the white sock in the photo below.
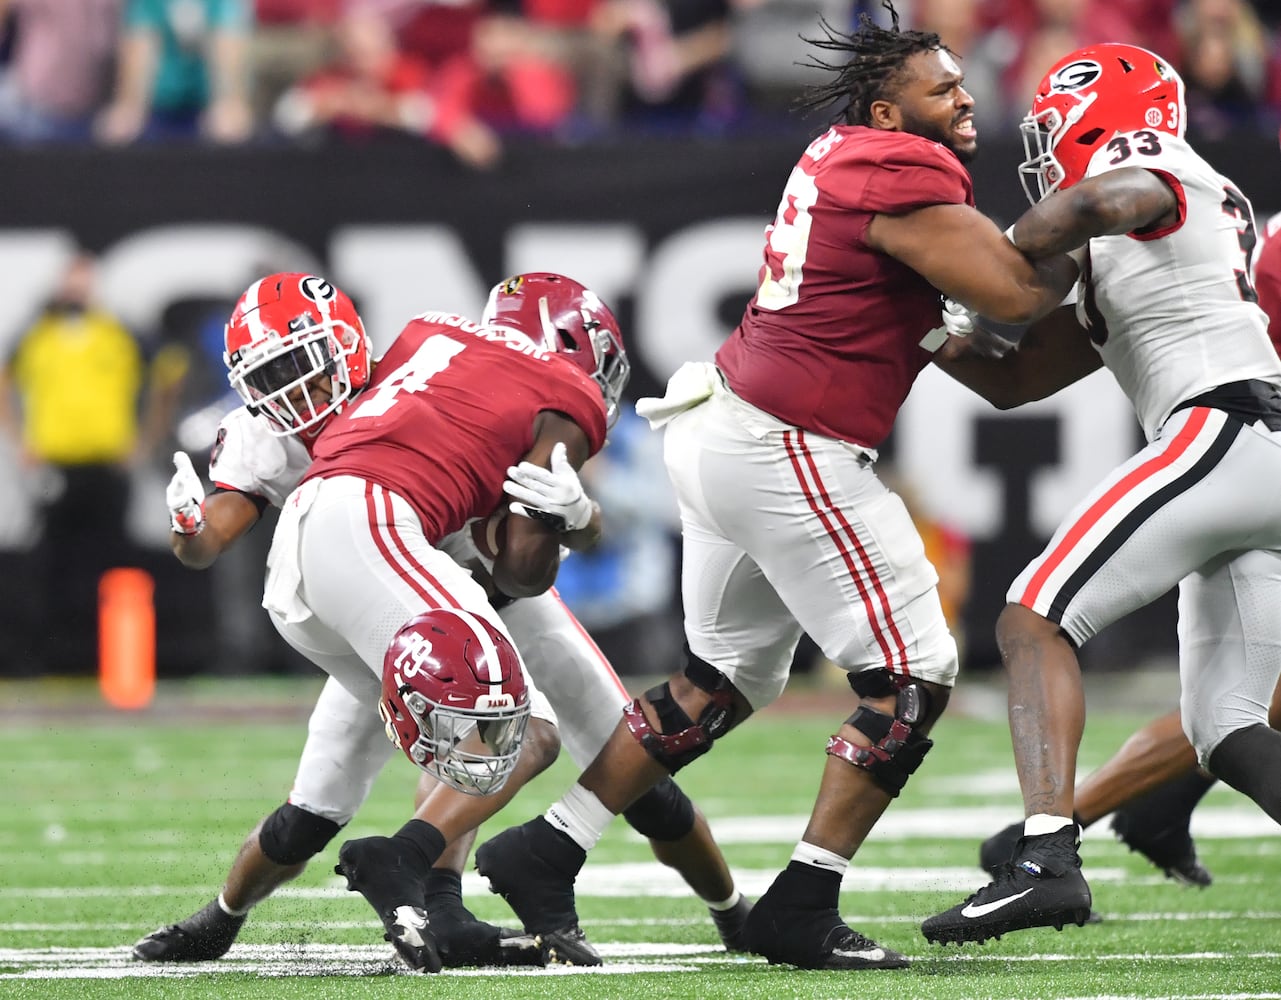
(817, 857)
(728, 903)
(1039, 824)
(222, 905)
(580, 815)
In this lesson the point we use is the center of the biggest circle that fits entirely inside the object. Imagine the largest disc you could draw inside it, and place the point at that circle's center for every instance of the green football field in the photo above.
(116, 823)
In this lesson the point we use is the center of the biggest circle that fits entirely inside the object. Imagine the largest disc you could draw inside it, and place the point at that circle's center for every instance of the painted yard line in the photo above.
(373, 960)
(1234, 822)
(629, 880)
(642, 878)
(311, 925)
(1226, 822)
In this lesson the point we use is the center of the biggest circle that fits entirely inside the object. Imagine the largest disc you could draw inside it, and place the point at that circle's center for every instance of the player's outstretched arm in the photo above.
(1120, 201)
(963, 254)
(1053, 353)
(227, 516)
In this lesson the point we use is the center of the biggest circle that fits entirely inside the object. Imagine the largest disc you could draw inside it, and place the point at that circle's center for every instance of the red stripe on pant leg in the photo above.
(840, 545)
(405, 553)
(371, 507)
(1182, 441)
(866, 561)
(601, 657)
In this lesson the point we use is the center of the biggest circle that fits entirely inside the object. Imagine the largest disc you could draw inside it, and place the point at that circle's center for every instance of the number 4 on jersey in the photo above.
(432, 357)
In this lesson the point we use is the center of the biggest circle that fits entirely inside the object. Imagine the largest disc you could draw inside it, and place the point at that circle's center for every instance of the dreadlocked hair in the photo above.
(872, 69)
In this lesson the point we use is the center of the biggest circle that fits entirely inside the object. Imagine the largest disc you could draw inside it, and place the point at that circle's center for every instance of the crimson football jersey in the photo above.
(831, 342)
(1267, 282)
(450, 406)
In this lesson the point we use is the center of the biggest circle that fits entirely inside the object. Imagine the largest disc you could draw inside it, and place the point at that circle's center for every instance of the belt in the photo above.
(1249, 401)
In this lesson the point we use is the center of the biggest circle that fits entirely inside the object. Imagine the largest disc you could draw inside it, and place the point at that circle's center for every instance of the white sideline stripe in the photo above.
(642, 878)
(853, 918)
(978, 823)
(376, 960)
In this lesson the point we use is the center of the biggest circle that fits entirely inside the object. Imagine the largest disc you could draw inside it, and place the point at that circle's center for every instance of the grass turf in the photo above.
(117, 823)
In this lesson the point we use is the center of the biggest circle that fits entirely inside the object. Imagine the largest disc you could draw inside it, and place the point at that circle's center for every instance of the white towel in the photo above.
(693, 383)
(282, 592)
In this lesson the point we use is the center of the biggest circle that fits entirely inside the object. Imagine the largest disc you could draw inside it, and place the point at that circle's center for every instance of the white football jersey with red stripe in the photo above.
(249, 458)
(1171, 311)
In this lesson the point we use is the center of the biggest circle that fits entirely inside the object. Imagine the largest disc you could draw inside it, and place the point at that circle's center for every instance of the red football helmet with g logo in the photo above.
(561, 315)
(1085, 99)
(454, 699)
(287, 331)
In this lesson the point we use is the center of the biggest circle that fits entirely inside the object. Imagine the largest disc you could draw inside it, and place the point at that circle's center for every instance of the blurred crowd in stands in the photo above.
(466, 74)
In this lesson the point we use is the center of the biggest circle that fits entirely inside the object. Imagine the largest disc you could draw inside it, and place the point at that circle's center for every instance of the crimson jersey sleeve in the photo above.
(893, 173)
(1267, 282)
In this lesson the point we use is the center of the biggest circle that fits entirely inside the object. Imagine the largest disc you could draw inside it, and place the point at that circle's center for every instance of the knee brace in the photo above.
(680, 739)
(663, 813)
(290, 836)
(897, 748)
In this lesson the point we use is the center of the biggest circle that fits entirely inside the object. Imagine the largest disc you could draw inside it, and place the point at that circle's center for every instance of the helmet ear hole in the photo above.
(1091, 137)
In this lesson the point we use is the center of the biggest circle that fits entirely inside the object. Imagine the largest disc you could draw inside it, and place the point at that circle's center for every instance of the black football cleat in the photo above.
(1165, 841)
(1042, 887)
(813, 939)
(465, 942)
(376, 868)
(730, 924)
(202, 937)
(568, 946)
(533, 867)
(998, 850)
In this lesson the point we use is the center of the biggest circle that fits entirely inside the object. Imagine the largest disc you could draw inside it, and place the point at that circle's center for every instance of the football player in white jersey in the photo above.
(1165, 302)
(346, 745)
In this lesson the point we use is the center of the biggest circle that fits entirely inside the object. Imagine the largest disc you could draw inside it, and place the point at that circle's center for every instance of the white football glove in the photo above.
(554, 495)
(958, 319)
(186, 497)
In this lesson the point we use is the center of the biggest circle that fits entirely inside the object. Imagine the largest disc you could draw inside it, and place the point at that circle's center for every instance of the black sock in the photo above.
(1249, 760)
(423, 842)
(557, 848)
(807, 886)
(444, 882)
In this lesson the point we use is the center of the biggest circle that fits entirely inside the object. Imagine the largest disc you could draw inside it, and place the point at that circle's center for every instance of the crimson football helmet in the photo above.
(286, 331)
(1085, 99)
(559, 314)
(454, 699)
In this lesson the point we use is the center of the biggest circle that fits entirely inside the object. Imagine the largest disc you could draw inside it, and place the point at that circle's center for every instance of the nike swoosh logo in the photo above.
(982, 909)
(871, 955)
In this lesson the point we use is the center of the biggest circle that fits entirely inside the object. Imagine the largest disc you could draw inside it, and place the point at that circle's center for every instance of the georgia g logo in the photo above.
(317, 289)
(1075, 76)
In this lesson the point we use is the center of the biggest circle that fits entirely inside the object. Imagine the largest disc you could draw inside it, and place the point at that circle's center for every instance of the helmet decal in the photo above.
(1075, 75)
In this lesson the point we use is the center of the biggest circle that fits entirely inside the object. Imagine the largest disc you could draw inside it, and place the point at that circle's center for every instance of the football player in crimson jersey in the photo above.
(253, 465)
(786, 528)
(1165, 302)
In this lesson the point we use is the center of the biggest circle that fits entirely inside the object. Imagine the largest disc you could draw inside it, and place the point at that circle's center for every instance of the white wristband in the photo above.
(1009, 234)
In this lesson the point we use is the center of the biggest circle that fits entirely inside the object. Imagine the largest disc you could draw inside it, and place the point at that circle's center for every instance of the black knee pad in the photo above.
(290, 836)
(663, 813)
